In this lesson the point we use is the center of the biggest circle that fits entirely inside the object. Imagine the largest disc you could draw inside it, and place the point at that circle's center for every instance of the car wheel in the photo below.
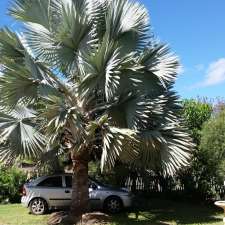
(113, 205)
(38, 206)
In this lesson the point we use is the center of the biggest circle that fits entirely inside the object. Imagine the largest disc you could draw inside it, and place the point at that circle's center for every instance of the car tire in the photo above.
(38, 206)
(113, 205)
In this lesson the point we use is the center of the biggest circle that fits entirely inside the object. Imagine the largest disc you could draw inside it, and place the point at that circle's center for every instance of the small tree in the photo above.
(196, 112)
(212, 148)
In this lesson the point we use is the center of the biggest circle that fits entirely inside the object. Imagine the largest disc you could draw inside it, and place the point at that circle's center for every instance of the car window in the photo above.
(51, 182)
(68, 181)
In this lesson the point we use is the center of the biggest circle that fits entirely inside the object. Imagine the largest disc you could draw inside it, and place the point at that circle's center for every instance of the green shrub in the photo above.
(204, 179)
(194, 178)
(196, 113)
(212, 148)
(11, 180)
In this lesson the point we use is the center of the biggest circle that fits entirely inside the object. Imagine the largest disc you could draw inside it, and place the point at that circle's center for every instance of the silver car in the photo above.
(53, 192)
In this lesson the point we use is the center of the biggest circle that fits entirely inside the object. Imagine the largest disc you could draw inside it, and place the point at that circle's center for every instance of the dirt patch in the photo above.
(95, 218)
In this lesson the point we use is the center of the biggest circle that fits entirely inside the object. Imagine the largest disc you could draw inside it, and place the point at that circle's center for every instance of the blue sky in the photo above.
(195, 30)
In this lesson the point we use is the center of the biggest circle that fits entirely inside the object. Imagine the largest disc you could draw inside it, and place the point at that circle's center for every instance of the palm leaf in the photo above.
(98, 12)
(177, 152)
(36, 11)
(10, 45)
(59, 116)
(60, 48)
(24, 78)
(118, 144)
(19, 135)
(25, 83)
(158, 60)
(127, 22)
(16, 85)
(166, 149)
(104, 68)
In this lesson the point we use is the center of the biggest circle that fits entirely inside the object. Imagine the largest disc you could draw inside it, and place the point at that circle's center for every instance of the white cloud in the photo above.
(215, 74)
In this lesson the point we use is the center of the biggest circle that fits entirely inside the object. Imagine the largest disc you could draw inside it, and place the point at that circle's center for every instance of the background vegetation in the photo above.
(11, 180)
(205, 176)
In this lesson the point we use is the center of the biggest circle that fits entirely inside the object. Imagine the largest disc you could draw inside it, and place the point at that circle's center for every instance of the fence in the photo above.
(152, 184)
(157, 184)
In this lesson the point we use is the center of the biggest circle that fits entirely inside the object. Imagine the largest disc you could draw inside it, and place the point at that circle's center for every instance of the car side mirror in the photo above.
(93, 186)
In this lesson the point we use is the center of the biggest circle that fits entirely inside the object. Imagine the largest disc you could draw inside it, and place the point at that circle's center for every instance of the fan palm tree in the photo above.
(87, 76)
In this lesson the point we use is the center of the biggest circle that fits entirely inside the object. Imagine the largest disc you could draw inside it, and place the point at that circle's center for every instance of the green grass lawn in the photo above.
(159, 212)
(15, 214)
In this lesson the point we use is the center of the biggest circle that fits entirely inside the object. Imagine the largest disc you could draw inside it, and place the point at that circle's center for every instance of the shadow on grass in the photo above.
(161, 212)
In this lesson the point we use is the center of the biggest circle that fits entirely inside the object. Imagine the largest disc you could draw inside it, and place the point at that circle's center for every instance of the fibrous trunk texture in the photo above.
(80, 195)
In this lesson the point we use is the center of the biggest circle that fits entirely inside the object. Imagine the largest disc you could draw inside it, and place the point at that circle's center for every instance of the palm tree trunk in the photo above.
(80, 193)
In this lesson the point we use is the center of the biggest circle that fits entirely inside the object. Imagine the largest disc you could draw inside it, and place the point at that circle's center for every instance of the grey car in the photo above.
(55, 191)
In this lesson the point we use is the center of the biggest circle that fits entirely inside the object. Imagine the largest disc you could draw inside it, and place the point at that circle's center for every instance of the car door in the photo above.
(53, 191)
(93, 193)
(68, 189)
(94, 197)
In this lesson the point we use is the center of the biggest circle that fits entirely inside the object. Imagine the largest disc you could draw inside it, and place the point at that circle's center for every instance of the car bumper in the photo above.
(25, 201)
(127, 200)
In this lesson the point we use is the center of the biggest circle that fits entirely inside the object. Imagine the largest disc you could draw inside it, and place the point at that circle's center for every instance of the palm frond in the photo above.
(178, 149)
(164, 143)
(128, 23)
(98, 12)
(24, 78)
(18, 135)
(158, 61)
(151, 112)
(25, 82)
(36, 11)
(104, 68)
(118, 144)
(16, 85)
(58, 116)
(147, 112)
(72, 33)
(150, 146)
(41, 41)
(165, 149)
(137, 111)
(10, 45)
